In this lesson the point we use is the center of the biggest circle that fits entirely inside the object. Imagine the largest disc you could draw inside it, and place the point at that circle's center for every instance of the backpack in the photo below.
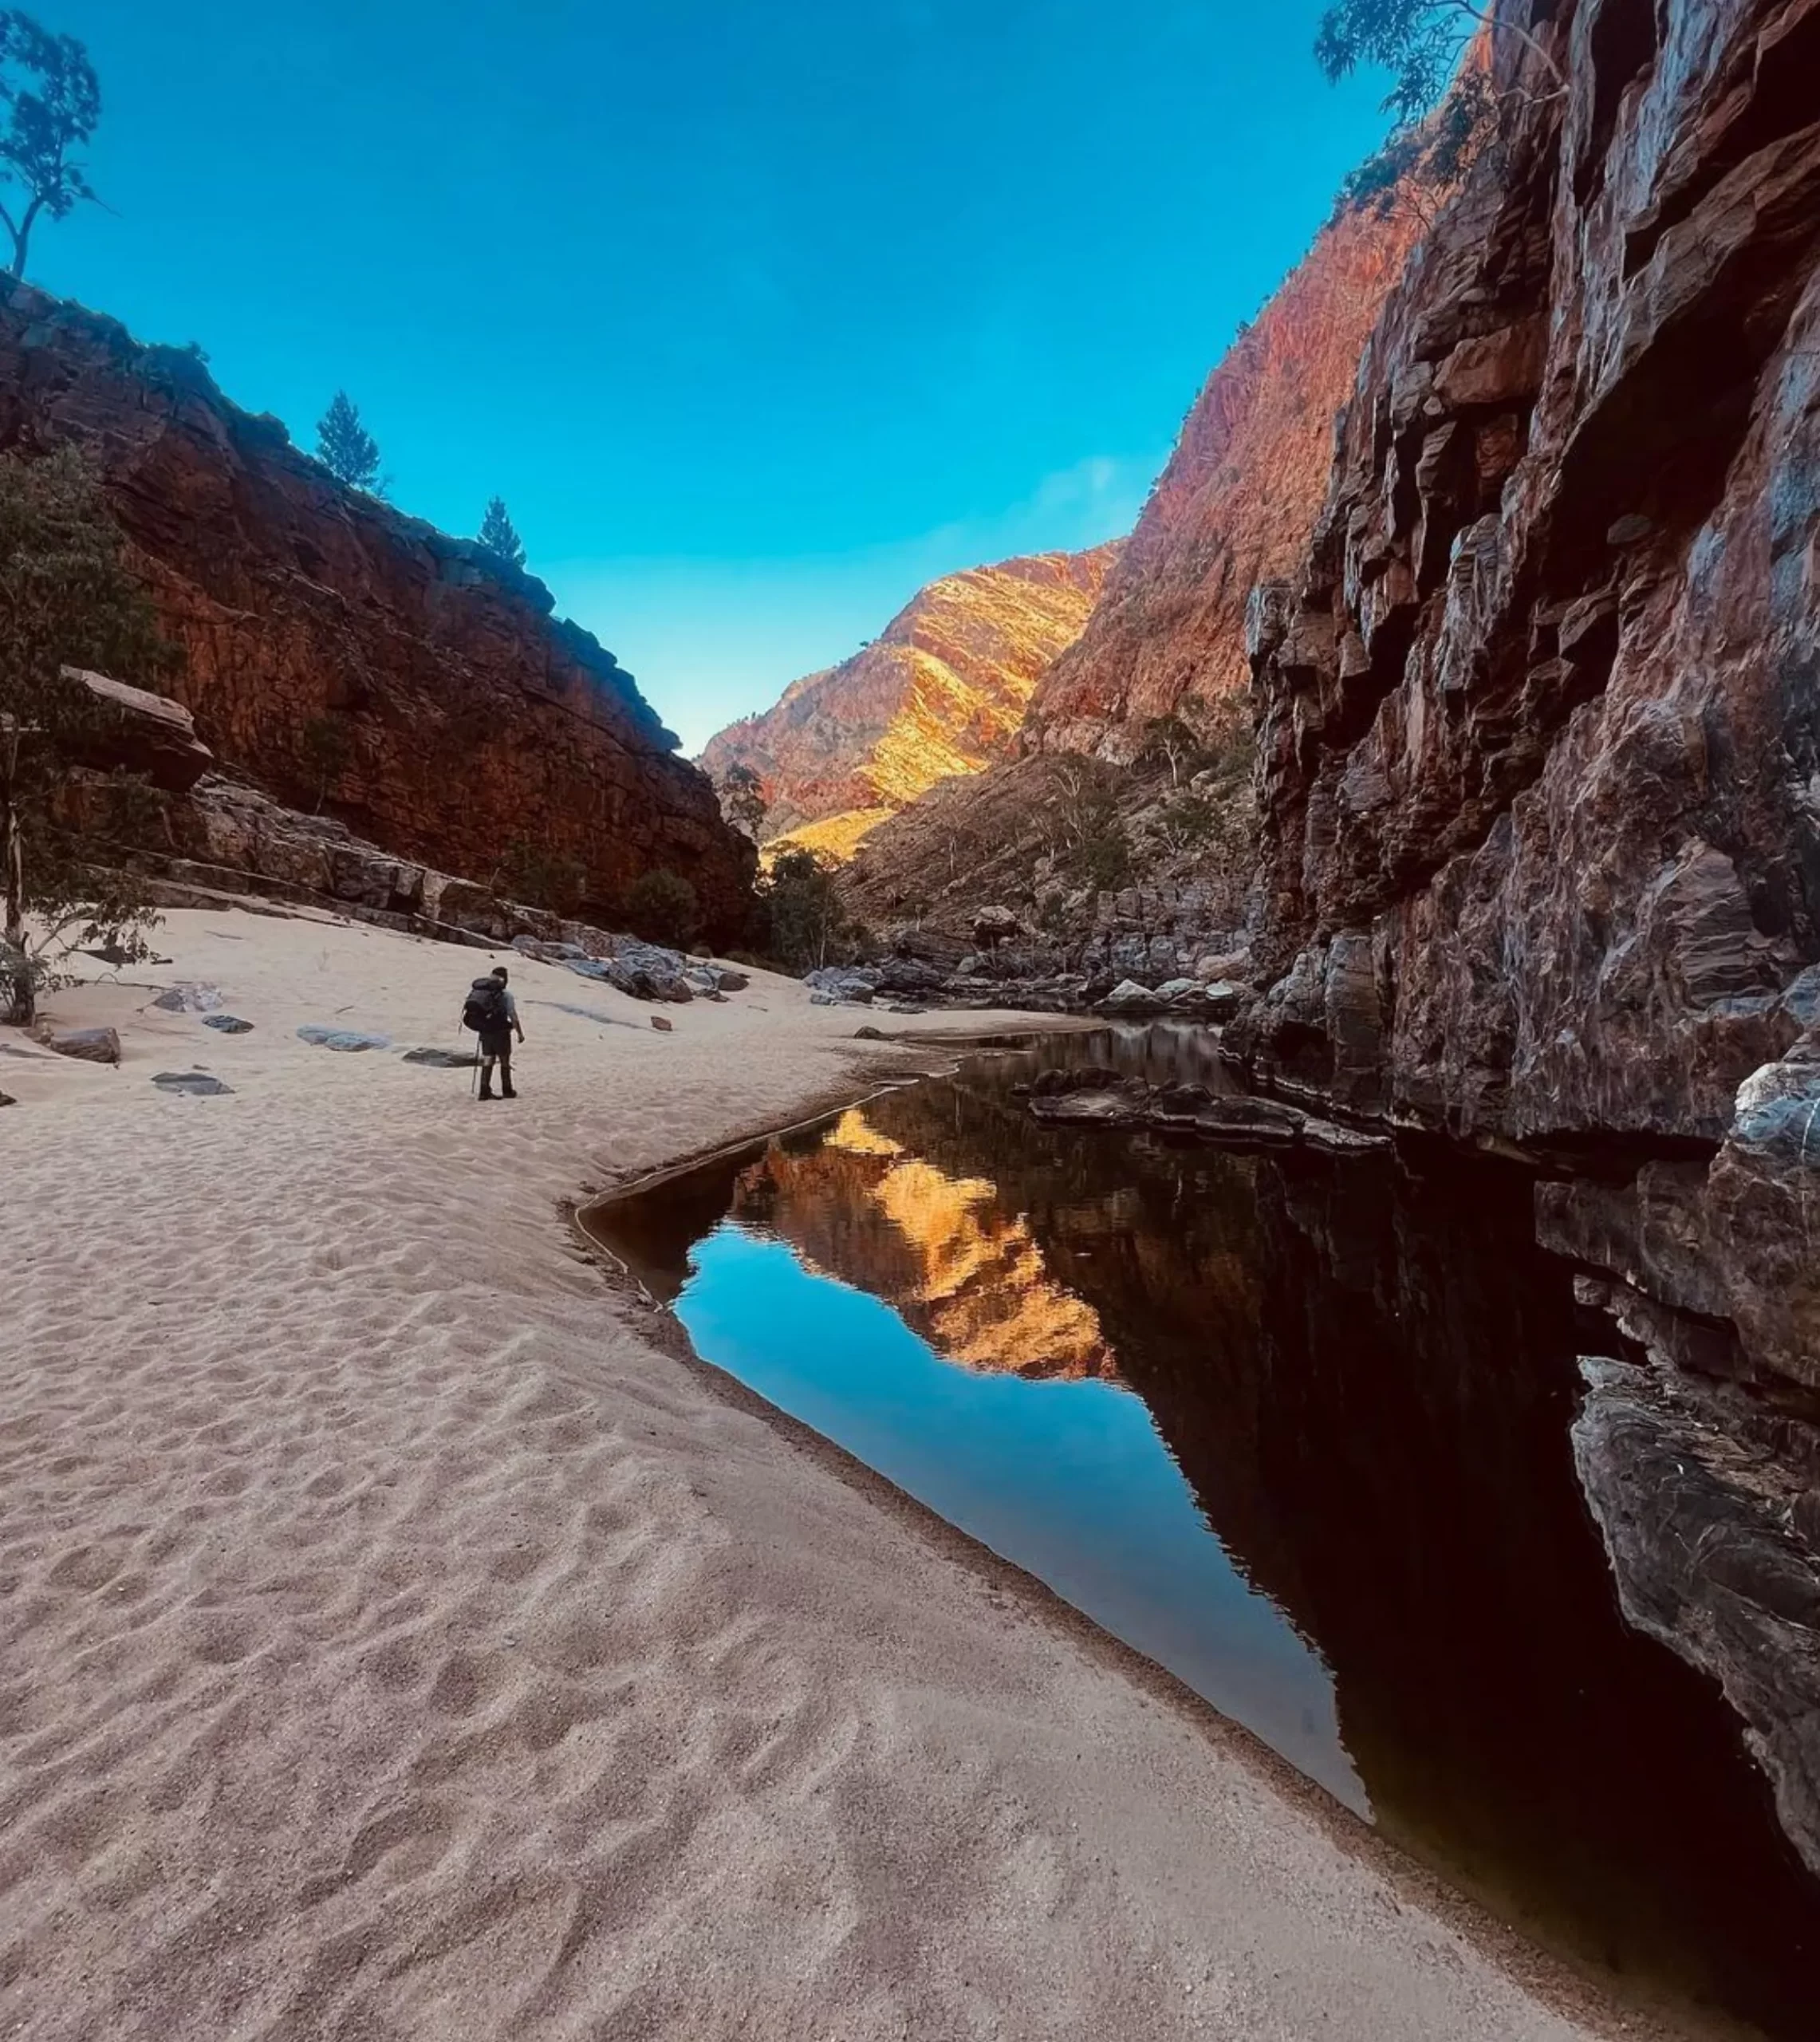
(484, 1011)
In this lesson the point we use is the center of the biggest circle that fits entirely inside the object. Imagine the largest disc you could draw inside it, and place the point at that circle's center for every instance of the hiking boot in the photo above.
(485, 1090)
(506, 1091)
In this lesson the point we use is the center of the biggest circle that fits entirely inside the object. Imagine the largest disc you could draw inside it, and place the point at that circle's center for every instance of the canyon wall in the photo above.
(1540, 725)
(1235, 504)
(335, 651)
(1539, 734)
(1233, 507)
(941, 692)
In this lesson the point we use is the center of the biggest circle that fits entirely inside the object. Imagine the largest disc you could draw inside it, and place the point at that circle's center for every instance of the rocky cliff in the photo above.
(1539, 732)
(1233, 507)
(1541, 736)
(941, 692)
(335, 652)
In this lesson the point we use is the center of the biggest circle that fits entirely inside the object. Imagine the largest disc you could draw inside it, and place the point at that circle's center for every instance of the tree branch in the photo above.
(1495, 22)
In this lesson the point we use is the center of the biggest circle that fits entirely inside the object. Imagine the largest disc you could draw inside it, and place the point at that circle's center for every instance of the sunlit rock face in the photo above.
(942, 691)
(957, 1262)
(1233, 507)
(318, 626)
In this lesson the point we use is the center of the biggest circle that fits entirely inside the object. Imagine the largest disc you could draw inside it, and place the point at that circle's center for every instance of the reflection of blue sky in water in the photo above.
(1069, 1480)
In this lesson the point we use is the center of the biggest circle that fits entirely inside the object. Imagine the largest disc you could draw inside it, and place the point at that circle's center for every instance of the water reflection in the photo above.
(1363, 1536)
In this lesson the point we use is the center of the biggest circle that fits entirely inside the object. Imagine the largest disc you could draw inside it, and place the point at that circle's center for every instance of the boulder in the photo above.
(196, 1084)
(188, 997)
(323, 1037)
(1128, 992)
(993, 926)
(1090, 1109)
(227, 1024)
(89, 1045)
(438, 1059)
(663, 1027)
(852, 985)
(139, 732)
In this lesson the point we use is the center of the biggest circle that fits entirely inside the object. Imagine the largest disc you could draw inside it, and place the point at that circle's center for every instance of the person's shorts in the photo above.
(497, 1043)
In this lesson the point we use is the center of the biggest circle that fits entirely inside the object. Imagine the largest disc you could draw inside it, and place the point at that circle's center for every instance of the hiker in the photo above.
(492, 1013)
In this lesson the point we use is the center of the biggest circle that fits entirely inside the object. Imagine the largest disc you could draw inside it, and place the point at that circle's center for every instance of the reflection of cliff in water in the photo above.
(959, 1264)
(1366, 1370)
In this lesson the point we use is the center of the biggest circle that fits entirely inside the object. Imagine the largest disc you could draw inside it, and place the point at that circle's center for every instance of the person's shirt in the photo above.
(512, 1008)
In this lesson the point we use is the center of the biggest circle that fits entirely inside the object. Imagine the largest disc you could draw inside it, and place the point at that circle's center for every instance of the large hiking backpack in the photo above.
(485, 1008)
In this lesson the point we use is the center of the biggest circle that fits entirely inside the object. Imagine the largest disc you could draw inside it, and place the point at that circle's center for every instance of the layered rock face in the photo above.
(942, 692)
(335, 652)
(1540, 725)
(1233, 507)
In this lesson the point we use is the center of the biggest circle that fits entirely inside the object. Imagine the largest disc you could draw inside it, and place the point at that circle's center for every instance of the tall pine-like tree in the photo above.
(344, 447)
(499, 535)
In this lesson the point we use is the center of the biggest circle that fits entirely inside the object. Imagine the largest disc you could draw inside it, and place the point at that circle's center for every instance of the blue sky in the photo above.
(757, 317)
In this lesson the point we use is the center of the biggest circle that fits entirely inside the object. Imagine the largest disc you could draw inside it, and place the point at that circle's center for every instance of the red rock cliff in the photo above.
(469, 717)
(941, 692)
(1233, 507)
(1541, 719)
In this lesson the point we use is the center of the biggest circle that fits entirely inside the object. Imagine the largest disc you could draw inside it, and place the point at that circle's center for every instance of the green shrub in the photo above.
(662, 907)
(543, 878)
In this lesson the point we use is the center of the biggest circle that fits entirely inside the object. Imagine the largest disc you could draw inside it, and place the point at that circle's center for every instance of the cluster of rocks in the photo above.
(903, 985)
(1121, 975)
(641, 970)
(1094, 1095)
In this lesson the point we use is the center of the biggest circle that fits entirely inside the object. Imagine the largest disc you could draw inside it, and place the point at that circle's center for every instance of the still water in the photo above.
(1297, 1430)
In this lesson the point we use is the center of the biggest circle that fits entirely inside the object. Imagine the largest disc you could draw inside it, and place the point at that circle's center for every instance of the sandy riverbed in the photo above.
(395, 1642)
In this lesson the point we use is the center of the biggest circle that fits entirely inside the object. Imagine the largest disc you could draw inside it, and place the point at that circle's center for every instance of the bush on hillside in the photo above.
(542, 878)
(663, 907)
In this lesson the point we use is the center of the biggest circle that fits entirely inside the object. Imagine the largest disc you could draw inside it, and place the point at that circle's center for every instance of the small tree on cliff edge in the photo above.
(500, 536)
(344, 447)
(52, 101)
(66, 600)
(1420, 43)
(1447, 114)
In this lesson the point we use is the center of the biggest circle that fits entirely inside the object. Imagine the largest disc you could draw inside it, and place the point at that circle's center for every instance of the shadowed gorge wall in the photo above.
(1539, 719)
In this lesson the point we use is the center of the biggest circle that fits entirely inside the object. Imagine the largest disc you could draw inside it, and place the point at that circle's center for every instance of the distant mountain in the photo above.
(941, 692)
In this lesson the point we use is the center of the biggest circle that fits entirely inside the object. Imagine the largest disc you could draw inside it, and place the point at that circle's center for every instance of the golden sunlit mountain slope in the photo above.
(942, 691)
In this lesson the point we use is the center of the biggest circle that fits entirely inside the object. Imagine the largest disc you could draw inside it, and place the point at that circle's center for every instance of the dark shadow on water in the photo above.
(1296, 1430)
